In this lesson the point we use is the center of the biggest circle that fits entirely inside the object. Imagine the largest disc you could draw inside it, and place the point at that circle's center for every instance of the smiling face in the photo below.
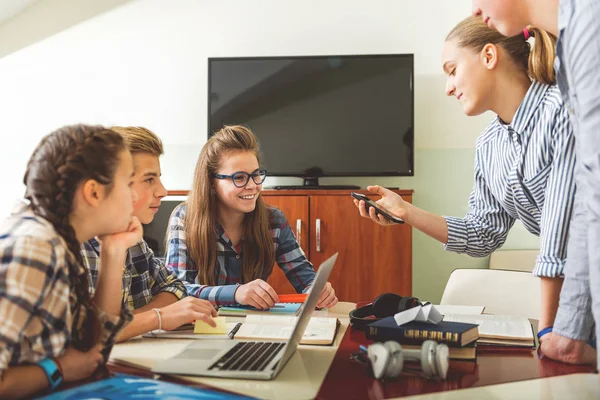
(233, 199)
(509, 17)
(468, 77)
(148, 186)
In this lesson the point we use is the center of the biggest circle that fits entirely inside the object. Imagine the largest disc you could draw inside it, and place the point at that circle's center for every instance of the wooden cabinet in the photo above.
(372, 259)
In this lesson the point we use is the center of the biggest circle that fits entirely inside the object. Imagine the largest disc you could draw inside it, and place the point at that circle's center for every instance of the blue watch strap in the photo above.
(544, 331)
(52, 372)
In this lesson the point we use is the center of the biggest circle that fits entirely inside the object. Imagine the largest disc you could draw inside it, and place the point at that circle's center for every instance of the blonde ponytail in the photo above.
(541, 57)
(536, 62)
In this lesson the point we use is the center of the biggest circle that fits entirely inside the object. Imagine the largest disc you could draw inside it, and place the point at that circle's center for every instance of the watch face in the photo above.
(56, 375)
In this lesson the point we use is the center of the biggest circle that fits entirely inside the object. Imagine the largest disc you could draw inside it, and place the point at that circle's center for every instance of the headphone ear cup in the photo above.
(428, 361)
(380, 357)
(386, 305)
(441, 358)
(396, 363)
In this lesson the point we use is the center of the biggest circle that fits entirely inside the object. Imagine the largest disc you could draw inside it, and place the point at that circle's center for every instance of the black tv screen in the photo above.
(320, 116)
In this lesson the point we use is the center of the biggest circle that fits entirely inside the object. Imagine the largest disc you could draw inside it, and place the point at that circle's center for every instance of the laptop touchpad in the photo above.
(199, 354)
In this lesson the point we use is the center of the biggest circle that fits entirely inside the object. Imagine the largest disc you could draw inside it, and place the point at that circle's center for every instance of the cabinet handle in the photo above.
(318, 225)
(299, 231)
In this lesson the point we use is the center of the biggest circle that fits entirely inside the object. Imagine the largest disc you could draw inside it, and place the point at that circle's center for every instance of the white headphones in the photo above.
(387, 359)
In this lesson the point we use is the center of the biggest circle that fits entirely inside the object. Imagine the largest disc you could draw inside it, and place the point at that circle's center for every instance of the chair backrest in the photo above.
(514, 260)
(501, 292)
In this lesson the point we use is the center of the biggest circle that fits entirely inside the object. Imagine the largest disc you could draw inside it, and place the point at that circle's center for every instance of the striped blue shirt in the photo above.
(523, 170)
(228, 272)
(576, 66)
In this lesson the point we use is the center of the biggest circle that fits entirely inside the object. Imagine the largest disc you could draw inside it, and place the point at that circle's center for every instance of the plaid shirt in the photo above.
(144, 275)
(288, 255)
(37, 306)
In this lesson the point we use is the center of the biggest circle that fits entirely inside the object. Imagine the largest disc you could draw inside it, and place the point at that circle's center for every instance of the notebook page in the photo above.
(460, 310)
(288, 320)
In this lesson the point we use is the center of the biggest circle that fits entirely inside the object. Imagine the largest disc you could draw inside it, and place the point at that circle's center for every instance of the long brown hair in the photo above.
(61, 162)
(537, 63)
(201, 212)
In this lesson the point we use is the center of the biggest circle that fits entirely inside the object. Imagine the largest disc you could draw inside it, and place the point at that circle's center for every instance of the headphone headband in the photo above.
(385, 305)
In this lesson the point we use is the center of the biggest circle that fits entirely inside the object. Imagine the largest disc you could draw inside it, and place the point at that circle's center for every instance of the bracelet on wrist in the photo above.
(544, 331)
(52, 371)
(157, 310)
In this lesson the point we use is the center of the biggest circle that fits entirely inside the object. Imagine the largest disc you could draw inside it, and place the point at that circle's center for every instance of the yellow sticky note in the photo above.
(204, 328)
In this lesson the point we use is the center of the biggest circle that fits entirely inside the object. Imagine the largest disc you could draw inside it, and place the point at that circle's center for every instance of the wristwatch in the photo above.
(52, 372)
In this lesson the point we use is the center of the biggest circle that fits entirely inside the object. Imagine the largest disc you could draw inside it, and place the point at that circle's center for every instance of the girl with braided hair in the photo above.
(78, 186)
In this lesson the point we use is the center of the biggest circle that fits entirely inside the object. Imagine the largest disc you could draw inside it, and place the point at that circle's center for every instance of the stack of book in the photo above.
(461, 338)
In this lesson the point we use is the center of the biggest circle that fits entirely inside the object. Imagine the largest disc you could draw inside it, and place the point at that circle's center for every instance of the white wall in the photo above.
(145, 63)
(43, 18)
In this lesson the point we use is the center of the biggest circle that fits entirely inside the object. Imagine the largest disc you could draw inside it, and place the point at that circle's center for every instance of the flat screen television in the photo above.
(320, 116)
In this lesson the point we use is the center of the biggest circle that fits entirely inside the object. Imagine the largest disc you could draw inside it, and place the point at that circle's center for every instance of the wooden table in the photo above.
(325, 373)
(349, 379)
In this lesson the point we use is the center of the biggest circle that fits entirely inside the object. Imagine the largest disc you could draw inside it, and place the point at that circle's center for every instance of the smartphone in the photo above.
(370, 203)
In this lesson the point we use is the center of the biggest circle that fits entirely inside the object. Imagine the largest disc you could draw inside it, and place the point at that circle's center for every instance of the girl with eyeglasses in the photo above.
(223, 241)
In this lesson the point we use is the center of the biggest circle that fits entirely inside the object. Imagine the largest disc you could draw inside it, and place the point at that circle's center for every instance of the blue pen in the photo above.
(362, 348)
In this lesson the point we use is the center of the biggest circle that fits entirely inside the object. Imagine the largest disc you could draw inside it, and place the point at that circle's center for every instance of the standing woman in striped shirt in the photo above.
(223, 241)
(524, 159)
(78, 183)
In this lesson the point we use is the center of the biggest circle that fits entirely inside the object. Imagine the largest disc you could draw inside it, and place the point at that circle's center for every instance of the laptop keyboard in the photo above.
(248, 356)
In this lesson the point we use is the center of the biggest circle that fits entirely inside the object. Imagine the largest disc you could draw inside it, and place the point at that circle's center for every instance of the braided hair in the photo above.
(62, 161)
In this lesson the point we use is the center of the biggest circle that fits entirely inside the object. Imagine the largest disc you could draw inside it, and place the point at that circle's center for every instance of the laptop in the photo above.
(246, 359)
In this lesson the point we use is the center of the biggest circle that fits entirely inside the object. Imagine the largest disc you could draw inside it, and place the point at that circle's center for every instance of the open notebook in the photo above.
(320, 330)
(499, 330)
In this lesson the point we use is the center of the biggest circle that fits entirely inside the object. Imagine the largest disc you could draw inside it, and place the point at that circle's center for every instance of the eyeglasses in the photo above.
(241, 179)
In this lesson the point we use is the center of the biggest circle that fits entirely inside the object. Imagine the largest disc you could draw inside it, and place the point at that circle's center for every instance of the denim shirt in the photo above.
(576, 65)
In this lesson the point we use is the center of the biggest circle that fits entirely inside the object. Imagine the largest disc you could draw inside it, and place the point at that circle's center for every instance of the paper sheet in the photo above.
(426, 313)
(202, 327)
(461, 310)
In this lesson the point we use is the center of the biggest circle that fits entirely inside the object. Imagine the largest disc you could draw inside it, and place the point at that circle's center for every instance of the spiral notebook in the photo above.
(290, 309)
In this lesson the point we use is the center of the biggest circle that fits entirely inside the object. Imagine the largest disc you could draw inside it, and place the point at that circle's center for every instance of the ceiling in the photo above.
(10, 8)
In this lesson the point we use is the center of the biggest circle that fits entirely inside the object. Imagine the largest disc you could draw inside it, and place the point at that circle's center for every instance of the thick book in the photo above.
(277, 309)
(452, 333)
(123, 386)
(320, 330)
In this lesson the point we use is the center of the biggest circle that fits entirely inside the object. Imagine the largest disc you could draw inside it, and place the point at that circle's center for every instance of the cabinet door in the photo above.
(295, 209)
(373, 259)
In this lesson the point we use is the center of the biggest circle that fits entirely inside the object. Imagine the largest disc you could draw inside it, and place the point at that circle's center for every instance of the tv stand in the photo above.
(317, 187)
(312, 183)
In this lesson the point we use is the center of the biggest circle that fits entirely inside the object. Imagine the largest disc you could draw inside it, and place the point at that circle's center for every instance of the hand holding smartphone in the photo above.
(370, 203)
